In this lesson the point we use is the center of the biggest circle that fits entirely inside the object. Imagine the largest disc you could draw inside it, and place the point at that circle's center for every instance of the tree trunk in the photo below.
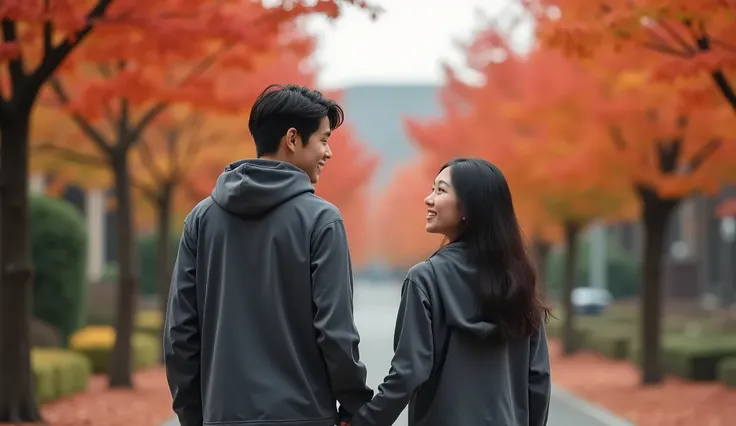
(656, 214)
(540, 250)
(163, 255)
(569, 335)
(121, 361)
(17, 395)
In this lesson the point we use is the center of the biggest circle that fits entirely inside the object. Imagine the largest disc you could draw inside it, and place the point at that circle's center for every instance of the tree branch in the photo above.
(703, 153)
(618, 138)
(56, 55)
(724, 86)
(687, 47)
(15, 66)
(704, 44)
(664, 48)
(87, 128)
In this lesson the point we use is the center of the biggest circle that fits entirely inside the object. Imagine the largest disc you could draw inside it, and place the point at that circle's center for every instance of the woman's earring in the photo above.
(463, 219)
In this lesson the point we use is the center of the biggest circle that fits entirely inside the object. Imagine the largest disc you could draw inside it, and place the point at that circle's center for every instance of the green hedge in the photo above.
(58, 373)
(700, 357)
(59, 250)
(697, 358)
(727, 372)
(613, 344)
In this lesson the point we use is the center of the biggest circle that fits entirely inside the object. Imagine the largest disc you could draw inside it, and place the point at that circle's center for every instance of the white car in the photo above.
(591, 300)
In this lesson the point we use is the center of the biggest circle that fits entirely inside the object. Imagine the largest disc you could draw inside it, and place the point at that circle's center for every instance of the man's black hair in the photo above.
(279, 108)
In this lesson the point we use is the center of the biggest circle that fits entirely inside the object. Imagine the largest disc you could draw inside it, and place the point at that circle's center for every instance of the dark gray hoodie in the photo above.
(446, 363)
(259, 326)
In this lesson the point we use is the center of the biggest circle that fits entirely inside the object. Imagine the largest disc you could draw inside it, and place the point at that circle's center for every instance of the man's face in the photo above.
(312, 156)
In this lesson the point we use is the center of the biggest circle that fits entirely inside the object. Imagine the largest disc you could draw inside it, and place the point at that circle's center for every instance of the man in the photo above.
(259, 326)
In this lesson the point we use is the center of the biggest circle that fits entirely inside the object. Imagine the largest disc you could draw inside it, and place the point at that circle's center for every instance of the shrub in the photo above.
(58, 248)
(727, 372)
(610, 343)
(96, 342)
(58, 373)
(697, 358)
(693, 357)
(147, 252)
(150, 322)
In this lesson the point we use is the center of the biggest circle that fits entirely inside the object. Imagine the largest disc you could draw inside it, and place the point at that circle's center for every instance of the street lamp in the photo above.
(726, 211)
(728, 229)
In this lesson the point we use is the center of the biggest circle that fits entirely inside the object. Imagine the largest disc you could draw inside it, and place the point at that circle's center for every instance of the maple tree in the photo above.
(667, 151)
(692, 37)
(134, 44)
(35, 41)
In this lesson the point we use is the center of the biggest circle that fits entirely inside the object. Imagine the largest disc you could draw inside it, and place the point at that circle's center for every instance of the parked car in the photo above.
(591, 300)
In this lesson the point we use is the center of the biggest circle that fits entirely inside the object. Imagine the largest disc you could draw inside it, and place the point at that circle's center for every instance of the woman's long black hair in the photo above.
(506, 286)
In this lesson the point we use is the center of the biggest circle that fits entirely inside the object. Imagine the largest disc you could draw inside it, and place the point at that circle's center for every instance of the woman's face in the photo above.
(443, 210)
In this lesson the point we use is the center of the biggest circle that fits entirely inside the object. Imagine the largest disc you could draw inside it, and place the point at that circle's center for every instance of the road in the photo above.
(375, 314)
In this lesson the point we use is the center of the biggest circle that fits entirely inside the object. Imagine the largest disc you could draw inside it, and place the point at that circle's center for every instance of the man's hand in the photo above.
(344, 423)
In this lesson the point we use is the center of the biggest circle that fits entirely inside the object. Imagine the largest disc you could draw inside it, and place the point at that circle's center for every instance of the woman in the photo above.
(470, 344)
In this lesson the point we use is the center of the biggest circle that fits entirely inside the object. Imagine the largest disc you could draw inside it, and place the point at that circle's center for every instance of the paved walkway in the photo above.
(376, 306)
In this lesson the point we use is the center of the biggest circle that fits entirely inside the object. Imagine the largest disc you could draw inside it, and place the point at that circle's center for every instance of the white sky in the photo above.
(406, 44)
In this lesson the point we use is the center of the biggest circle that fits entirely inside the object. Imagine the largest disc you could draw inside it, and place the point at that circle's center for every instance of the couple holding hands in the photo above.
(259, 327)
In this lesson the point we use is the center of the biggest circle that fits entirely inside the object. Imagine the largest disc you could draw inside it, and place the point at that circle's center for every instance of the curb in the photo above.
(599, 413)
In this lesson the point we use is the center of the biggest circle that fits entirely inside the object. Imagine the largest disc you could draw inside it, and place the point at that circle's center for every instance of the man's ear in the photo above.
(291, 139)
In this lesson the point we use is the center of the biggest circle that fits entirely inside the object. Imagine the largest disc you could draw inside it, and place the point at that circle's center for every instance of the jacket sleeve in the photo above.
(181, 336)
(337, 336)
(412, 363)
(540, 383)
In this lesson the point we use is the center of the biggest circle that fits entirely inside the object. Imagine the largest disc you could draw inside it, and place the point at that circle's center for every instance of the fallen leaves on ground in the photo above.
(615, 386)
(147, 404)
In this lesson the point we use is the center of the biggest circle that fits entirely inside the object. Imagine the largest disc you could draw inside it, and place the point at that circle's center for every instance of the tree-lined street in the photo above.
(375, 315)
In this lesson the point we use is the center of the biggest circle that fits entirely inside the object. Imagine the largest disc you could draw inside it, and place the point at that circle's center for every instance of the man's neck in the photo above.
(272, 157)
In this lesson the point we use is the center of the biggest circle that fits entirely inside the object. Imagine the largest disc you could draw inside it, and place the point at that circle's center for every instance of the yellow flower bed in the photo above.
(58, 373)
(96, 343)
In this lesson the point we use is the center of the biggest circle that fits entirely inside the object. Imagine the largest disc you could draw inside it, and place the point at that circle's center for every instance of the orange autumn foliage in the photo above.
(530, 117)
(692, 38)
(397, 224)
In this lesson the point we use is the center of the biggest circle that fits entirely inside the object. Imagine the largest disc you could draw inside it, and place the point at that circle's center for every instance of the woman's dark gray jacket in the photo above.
(447, 364)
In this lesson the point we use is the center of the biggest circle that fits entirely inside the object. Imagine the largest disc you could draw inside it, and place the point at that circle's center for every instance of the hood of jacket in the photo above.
(255, 186)
(455, 277)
